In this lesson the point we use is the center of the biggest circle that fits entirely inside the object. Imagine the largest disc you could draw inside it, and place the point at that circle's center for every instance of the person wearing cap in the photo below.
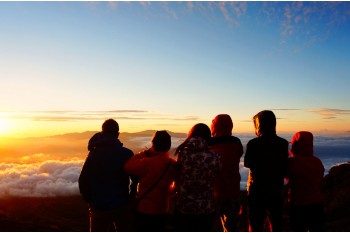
(150, 165)
(304, 176)
(227, 184)
(103, 183)
(266, 157)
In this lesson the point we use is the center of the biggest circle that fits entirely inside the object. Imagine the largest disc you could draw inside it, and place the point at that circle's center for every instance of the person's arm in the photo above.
(85, 179)
(136, 165)
(133, 187)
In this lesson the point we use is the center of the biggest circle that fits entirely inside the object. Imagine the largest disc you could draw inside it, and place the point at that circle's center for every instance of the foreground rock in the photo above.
(335, 190)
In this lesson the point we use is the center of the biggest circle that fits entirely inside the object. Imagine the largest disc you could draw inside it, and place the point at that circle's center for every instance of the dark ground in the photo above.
(71, 213)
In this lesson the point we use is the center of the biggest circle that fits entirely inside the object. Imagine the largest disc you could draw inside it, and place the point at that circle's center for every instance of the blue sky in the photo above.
(178, 63)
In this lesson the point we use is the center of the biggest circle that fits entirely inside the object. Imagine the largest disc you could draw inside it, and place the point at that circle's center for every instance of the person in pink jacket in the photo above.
(304, 175)
(150, 165)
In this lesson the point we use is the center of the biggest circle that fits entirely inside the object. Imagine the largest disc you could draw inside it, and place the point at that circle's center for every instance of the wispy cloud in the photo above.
(166, 8)
(285, 109)
(113, 5)
(329, 113)
(94, 115)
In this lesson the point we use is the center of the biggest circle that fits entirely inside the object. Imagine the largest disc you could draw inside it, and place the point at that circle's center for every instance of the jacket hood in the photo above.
(103, 139)
(222, 126)
(265, 123)
(302, 144)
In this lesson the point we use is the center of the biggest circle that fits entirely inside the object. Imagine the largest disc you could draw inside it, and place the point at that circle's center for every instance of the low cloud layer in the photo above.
(50, 166)
(48, 179)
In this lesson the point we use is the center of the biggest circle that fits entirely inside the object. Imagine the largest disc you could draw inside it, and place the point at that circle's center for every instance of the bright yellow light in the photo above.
(4, 125)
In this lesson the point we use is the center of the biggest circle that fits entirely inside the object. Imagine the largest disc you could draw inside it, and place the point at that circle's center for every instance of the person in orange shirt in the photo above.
(227, 184)
(304, 175)
(150, 165)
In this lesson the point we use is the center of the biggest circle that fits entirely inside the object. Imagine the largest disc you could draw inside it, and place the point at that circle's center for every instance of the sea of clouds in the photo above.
(57, 177)
(48, 179)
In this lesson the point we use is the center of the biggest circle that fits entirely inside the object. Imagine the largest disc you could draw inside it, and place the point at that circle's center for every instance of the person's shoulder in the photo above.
(124, 150)
(281, 139)
(254, 140)
(224, 140)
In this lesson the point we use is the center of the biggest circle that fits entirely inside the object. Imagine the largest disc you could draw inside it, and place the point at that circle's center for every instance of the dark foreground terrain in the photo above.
(71, 213)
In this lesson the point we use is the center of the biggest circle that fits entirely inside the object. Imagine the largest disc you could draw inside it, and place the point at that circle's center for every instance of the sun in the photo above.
(4, 125)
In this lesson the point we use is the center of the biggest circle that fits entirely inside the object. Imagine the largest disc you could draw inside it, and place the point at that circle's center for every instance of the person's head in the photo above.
(161, 141)
(110, 126)
(222, 125)
(264, 123)
(200, 130)
(302, 144)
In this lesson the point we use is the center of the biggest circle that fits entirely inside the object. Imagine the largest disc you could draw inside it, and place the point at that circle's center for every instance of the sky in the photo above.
(67, 66)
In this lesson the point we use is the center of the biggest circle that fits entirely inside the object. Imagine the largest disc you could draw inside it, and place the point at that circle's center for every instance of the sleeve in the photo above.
(85, 179)
(249, 156)
(136, 165)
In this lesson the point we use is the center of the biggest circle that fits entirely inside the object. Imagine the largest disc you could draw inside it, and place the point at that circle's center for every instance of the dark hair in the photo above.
(198, 130)
(110, 126)
(161, 141)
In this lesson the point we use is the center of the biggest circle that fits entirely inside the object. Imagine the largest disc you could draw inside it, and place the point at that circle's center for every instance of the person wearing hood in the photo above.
(199, 167)
(304, 176)
(266, 157)
(103, 183)
(154, 166)
(227, 184)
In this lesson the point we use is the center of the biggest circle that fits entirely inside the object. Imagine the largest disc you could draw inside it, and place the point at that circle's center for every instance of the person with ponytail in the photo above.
(195, 205)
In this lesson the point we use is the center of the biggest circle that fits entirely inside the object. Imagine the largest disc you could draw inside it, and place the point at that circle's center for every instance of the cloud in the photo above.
(166, 8)
(285, 109)
(328, 117)
(297, 19)
(224, 11)
(48, 179)
(112, 4)
(190, 5)
(145, 3)
(329, 113)
(193, 118)
(74, 116)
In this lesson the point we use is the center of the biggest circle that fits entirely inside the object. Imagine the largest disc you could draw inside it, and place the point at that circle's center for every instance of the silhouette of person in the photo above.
(227, 184)
(150, 165)
(103, 182)
(195, 206)
(266, 156)
(304, 176)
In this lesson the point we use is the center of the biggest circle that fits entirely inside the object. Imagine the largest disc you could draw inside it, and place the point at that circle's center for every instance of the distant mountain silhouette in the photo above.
(65, 147)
